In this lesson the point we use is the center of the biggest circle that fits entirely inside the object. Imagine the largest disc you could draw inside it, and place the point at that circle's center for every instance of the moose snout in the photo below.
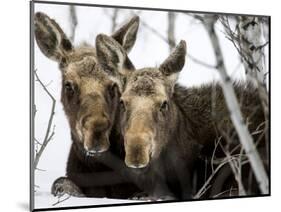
(96, 148)
(96, 136)
(138, 150)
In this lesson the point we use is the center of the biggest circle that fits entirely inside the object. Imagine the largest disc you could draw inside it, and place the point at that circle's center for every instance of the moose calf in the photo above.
(167, 127)
(90, 97)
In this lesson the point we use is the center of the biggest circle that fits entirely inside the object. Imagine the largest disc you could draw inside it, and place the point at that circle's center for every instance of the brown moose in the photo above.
(90, 97)
(167, 127)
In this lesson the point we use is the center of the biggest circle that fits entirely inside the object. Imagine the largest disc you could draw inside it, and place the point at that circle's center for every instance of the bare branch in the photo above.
(42, 170)
(248, 40)
(49, 133)
(200, 62)
(235, 169)
(206, 185)
(61, 200)
(214, 151)
(163, 38)
(37, 142)
(154, 31)
(114, 19)
(73, 22)
(195, 16)
(223, 192)
(171, 30)
(234, 109)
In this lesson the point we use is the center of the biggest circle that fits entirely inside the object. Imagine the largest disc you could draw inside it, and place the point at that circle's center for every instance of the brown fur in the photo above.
(90, 94)
(208, 118)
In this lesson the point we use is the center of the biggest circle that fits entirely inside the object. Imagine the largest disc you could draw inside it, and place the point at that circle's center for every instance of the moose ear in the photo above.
(50, 38)
(127, 34)
(174, 63)
(110, 53)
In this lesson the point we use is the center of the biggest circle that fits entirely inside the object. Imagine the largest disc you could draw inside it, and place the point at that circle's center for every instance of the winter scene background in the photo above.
(151, 49)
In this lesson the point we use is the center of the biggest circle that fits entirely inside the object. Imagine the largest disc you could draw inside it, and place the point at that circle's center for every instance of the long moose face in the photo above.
(90, 100)
(146, 105)
(90, 89)
(148, 110)
(145, 111)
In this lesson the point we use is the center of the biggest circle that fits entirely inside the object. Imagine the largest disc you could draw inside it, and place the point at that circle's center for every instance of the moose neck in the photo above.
(194, 108)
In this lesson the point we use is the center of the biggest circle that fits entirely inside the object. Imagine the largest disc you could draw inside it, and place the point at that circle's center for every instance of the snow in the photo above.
(149, 50)
(44, 199)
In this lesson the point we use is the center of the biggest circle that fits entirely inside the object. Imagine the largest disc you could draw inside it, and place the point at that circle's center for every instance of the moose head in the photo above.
(90, 89)
(146, 104)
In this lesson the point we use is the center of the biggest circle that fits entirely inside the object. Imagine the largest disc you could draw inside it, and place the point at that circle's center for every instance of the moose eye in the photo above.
(68, 87)
(164, 106)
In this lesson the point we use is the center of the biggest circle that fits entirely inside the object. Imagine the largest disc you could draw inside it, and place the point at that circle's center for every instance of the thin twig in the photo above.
(171, 30)
(37, 142)
(195, 16)
(203, 189)
(42, 170)
(73, 22)
(200, 62)
(226, 191)
(163, 38)
(48, 135)
(235, 169)
(60, 201)
(213, 154)
(114, 19)
(194, 59)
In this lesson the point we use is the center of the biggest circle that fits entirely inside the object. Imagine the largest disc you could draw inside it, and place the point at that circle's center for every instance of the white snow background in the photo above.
(149, 50)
